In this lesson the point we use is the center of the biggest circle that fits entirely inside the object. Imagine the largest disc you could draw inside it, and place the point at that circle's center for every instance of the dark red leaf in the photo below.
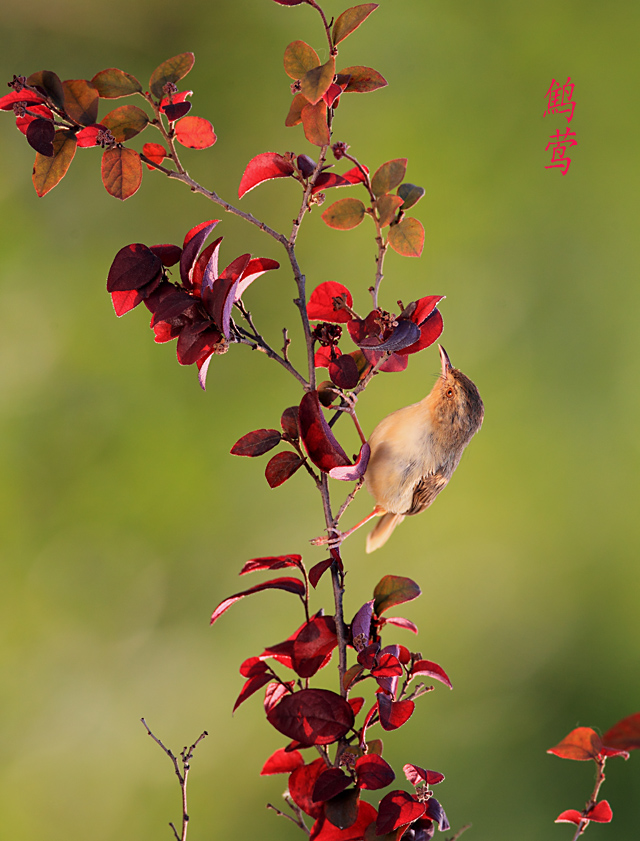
(251, 686)
(282, 467)
(278, 562)
(220, 297)
(405, 334)
(394, 714)
(175, 110)
(387, 666)
(436, 813)
(342, 809)
(36, 111)
(264, 167)
(582, 744)
(167, 303)
(430, 331)
(329, 783)
(432, 670)
(282, 762)
(289, 423)
(205, 269)
(392, 590)
(325, 303)
(374, 772)
(343, 371)
(40, 135)
(398, 808)
(49, 83)
(329, 179)
(256, 443)
(312, 717)
(302, 782)
(625, 734)
(274, 692)
(193, 242)
(417, 775)
(133, 267)
(169, 254)
(324, 830)
(253, 666)
(291, 585)
(320, 442)
(312, 644)
(197, 339)
(317, 571)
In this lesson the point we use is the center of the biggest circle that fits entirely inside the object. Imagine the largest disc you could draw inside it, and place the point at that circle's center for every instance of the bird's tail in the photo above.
(382, 530)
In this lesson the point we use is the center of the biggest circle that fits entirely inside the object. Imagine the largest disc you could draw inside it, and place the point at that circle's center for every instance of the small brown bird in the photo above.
(415, 450)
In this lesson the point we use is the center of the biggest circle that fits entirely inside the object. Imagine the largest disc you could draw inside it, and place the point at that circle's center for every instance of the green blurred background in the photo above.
(124, 520)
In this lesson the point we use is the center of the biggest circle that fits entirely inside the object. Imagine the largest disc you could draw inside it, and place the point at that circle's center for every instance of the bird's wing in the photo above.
(426, 490)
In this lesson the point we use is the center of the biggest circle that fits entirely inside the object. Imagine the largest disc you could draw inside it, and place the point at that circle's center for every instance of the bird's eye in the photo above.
(449, 392)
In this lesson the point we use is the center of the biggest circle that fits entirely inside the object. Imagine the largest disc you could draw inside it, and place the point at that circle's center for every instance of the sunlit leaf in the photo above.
(392, 590)
(582, 744)
(299, 58)
(397, 809)
(320, 442)
(388, 176)
(113, 83)
(312, 717)
(350, 20)
(81, 101)
(294, 117)
(195, 133)
(344, 214)
(125, 122)
(407, 237)
(388, 207)
(264, 167)
(316, 81)
(314, 123)
(363, 79)
(290, 585)
(171, 70)
(121, 172)
(282, 762)
(625, 734)
(47, 170)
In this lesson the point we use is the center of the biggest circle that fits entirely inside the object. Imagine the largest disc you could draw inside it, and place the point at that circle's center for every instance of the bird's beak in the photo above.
(446, 362)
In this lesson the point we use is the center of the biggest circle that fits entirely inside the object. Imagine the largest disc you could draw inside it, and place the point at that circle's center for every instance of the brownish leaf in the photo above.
(299, 58)
(121, 172)
(314, 123)
(316, 81)
(388, 176)
(350, 20)
(125, 122)
(113, 83)
(81, 101)
(294, 117)
(48, 171)
(344, 214)
(171, 70)
(407, 237)
(363, 79)
(388, 207)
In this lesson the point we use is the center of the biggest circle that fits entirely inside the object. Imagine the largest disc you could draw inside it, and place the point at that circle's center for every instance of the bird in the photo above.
(415, 450)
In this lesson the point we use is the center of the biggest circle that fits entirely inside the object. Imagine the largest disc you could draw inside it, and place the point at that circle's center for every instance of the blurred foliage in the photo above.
(124, 520)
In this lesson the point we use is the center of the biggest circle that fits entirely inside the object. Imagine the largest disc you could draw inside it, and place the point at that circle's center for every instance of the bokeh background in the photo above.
(124, 520)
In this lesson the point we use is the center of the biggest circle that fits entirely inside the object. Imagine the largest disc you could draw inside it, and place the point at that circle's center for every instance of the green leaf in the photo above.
(315, 82)
(411, 194)
(392, 590)
(350, 20)
(388, 176)
(121, 172)
(407, 237)
(113, 83)
(344, 214)
(314, 123)
(50, 84)
(363, 79)
(81, 101)
(125, 122)
(171, 70)
(47, 172)
(299, 59)
(387, 208)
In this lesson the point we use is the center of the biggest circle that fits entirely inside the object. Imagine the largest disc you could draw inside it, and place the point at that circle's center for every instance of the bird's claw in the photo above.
(332, 542)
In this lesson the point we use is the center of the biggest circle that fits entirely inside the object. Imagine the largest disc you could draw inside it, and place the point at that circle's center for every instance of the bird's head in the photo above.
(455, 403)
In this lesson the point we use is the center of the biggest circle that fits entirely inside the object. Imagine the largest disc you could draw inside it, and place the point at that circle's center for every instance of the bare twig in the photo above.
(181, 768)
(600, 778)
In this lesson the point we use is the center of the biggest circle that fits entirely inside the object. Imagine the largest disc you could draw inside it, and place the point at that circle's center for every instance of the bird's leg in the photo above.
(339, 536)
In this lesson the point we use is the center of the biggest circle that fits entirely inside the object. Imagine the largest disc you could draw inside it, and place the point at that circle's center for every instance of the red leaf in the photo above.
(278, 562)
(88, 137)
(374, 772)
(397, 809)
(329, 783)
(255, 268)
(430, 331)
(289, 423)
(343, 371)
(312, 717)
(601, 812)
(320, 442)
(416, 775)
(195, 133)
(325, 303)
(324, 830)
(432, 670)
(570, 816)
(301, 784)
(582, 743)
(23, 123)
(264, 167)
(625, 734)
(394, 714)
(252, 685)
(169, 254)
(356, 704)
(291, 585)
(197, 339)
(133, 267)
(355, 175)
(256, 443)
(353, 472)
(193, 242)
(315, 640)
(392, 590)
(329, 179)
(317, 571)
(282, 467)
(282, 762)
(155, 152)
(274, 692)
(387, 666)
(401, 622)
(8, 100)
(121, 172)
